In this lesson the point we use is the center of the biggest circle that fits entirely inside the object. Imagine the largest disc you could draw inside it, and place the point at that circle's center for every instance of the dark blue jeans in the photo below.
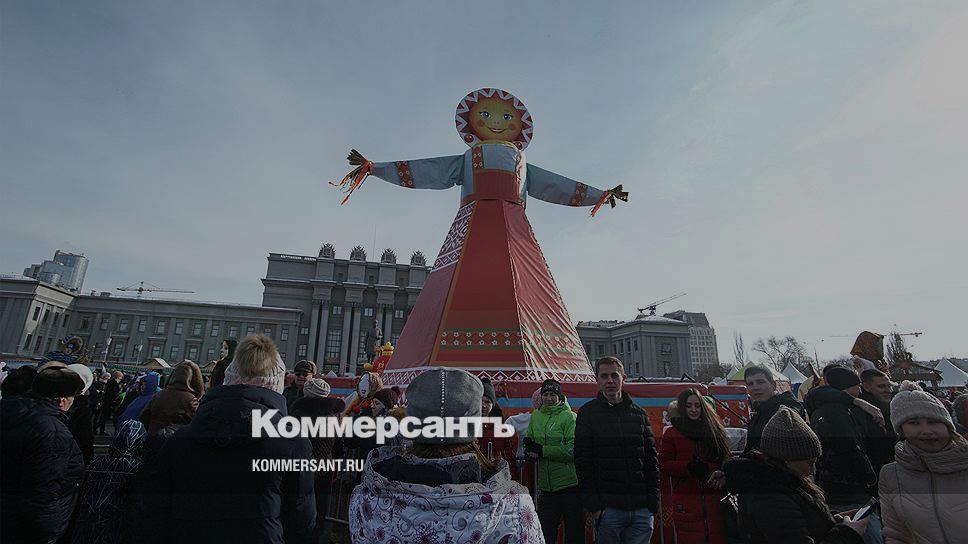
(615, 526)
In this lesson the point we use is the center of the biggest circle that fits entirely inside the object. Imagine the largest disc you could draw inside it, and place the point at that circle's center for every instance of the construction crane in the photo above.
(651, 306)
(914, 334)
(141, 289)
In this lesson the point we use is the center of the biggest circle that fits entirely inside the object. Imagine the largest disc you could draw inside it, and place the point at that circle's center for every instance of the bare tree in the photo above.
(778, 352)
(740, 355)
(897, 349)
(708, 373)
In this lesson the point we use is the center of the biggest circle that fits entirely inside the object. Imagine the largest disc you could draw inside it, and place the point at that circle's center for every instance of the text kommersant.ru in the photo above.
(368, 427)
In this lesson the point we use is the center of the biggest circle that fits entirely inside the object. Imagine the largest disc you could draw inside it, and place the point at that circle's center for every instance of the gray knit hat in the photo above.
(445, 392)
(787, 437)
(316, 387)
(912, 402)
(305, 366)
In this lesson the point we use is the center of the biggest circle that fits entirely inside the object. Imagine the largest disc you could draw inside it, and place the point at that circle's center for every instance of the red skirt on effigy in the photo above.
(490, 306)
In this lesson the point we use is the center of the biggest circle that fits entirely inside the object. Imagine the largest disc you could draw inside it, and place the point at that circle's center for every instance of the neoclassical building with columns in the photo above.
(313, 307)
(344, 302)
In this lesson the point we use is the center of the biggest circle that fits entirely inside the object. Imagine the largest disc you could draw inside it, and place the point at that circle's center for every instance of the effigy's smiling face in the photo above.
(495, 119)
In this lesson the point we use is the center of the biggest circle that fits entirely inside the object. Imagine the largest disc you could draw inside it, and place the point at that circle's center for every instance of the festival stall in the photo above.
(952, 377)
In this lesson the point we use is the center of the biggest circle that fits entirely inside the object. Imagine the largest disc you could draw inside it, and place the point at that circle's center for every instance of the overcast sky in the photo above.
(798, 168)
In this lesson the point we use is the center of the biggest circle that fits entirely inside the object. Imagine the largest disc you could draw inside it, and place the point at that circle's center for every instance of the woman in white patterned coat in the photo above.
(441, 490)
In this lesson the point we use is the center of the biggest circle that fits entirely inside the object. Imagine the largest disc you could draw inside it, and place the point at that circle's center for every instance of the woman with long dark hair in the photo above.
(691, 454)
(225, 356)
(778, 501)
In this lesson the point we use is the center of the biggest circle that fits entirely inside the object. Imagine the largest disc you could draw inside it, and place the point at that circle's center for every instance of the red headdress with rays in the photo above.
(464, 111)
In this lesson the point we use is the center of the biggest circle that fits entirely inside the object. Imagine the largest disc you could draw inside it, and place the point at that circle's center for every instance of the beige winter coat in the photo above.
(924, 496)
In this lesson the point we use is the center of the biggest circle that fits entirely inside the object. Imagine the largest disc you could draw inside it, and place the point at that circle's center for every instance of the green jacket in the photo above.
(554, 428)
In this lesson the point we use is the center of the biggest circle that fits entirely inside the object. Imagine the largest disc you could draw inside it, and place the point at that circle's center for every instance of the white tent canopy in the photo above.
(951, 375)
(794, 375)
(157, 363)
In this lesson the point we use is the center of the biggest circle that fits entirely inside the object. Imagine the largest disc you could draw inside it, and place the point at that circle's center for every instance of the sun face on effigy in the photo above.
(495, 119)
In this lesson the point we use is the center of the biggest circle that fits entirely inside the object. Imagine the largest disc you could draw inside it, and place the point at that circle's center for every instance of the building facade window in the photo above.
(156, 350)
(337, 310)
(117, 348)
(211, 354)
(361, 353)
(301, 352)
(601, 349)
(250, 330)
(304, 330)
(85, 323)
(396, 339)
(27, 342)
(398, 314)
(104, 323)
(46, 315)
(333, 341)
(367, 312)
(123, 325)
(179, 327)
(196, 330)
(268, 331)
(284, 334)
(635, 344)
(56, 318)
(66, 318)
(173, 353)
(193, 352)
(142, 325)
(216, 328)
(40, 339)
(161, 327)
(36, 313)
(233, 331)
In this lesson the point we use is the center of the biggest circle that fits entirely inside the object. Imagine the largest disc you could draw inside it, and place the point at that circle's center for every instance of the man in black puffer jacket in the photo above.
(616, 461)
(844, 471)
(40, 461)
(205, 487)
(761, 386)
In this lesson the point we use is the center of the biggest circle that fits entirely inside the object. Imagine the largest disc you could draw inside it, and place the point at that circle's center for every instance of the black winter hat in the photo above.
(841, 378)
(56, 380)
(551, 385)
(489, 390)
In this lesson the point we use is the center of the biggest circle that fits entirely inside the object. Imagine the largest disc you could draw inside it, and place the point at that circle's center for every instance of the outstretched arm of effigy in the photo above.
(557, 189)
(433, 173)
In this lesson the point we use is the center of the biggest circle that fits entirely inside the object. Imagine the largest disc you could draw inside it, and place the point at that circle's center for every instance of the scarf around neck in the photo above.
(952, 459)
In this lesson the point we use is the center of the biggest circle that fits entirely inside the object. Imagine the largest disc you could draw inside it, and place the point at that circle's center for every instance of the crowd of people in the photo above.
(179, 467)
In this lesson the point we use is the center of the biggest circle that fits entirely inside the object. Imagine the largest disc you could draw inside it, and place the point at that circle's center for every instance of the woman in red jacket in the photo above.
(493, 446)
(691, 454)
